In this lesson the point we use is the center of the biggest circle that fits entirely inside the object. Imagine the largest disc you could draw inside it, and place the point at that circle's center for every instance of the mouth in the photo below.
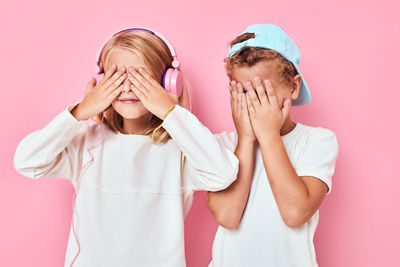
(128, 100)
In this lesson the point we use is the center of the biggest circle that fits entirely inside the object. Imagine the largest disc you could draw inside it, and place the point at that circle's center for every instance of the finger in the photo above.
(251, 93)
(243, 103)
(231, 96)
(114, 94)
(136, 82)
(99, 77)
(146, 75)
(139, 86)
(115, 77)
(250, 106)
(235, 95)
(260, 90)
(239, 90)
(110, 72)
(240, 87)
(91, 84)
(138, 79)
(245, 108)
(270, 92)
(139, 92)
(239, 105)
(116, 84)
(240, 96)
(230, 86)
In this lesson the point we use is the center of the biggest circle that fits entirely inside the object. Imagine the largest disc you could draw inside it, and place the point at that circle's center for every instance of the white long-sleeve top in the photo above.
(134, 196)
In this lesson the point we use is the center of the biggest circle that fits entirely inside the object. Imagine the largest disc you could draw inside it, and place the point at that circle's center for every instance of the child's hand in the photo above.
(99, 96)
(267, 117)
(150, 92)
(240, 112)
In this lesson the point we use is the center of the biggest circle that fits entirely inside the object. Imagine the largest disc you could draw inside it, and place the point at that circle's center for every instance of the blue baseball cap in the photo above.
(272, 37)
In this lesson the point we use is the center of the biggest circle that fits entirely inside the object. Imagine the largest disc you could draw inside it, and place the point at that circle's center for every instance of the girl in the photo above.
(268, 216)
(135, 183)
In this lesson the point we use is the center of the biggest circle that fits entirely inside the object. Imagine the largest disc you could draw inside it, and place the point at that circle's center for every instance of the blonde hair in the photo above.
(157, 57)
(249, 56)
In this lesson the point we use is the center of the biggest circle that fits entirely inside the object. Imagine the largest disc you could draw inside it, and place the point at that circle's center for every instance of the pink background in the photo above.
(350, 59)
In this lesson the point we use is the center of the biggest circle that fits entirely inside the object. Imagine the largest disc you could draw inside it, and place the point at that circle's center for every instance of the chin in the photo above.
(130, 111)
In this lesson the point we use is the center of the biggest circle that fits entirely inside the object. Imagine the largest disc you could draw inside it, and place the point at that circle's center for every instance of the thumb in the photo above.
(286, 108)
(91, 84)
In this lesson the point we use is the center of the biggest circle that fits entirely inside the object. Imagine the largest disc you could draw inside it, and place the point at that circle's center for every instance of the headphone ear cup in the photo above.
(165, 80)
(172, 81)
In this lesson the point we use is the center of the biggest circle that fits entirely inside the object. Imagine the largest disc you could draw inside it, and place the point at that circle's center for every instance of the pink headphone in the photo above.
(172, 77)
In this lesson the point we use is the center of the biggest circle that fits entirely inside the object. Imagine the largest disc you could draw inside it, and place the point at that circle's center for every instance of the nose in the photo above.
(126, 86)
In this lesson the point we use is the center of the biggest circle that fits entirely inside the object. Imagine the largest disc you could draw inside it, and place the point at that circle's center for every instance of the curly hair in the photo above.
(249, 56)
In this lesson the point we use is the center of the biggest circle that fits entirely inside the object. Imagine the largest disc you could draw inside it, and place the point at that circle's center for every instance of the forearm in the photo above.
(78, 114)
(215, 166)
(228, 205)
(43, 151)
(290, 192)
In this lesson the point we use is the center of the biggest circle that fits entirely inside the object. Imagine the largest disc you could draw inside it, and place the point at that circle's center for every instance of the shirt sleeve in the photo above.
(228, 139)
(319, 156)
(53, 150)
(209, 163)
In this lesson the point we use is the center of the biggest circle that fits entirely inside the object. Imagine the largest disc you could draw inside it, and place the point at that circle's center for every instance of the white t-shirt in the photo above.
(134, 196)
(262, 238)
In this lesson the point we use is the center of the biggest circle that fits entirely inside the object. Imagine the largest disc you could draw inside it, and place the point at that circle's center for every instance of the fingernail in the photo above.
(257, 79)
(131, 69)
(140, 69)
(266, 81)
(248, 84)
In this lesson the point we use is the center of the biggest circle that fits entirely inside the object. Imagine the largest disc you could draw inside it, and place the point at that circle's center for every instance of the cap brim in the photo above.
(304, 94)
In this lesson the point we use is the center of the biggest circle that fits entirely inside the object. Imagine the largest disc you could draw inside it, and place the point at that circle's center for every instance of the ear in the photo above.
(296, 86)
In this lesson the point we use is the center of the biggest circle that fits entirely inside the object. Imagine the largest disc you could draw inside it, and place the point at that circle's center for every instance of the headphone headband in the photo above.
(175, 62)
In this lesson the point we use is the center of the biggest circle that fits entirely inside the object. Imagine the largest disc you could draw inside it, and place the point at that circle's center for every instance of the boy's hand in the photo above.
(150, 92)
(99, 95)
(240, 113)
(267, 117)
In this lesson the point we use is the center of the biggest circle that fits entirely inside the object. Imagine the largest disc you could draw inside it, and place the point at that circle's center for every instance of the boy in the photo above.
(268, 216)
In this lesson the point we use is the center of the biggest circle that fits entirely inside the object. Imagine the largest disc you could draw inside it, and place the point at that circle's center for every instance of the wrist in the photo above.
(166, 111)
(77, 113)
(269, 138)
(246, 138)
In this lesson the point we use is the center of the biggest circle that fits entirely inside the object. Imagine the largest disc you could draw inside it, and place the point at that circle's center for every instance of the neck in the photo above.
(287, 127)
(137, 125)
